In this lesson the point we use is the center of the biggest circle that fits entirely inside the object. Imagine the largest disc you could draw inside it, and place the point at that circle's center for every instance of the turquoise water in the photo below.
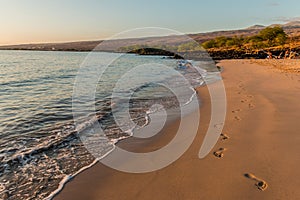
(39, 146)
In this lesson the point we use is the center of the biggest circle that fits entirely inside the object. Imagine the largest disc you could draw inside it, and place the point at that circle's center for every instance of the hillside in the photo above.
(292, 29)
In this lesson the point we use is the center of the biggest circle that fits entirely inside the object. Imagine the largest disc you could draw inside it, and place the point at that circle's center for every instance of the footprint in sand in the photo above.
(243, 100)
(237, 110)
(250, 105)
(224, 136)
(237, 118)
(241, 85)
(220, 152)
(260, 184)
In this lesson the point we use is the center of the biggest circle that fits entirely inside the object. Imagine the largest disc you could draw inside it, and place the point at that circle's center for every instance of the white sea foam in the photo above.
(67, 178)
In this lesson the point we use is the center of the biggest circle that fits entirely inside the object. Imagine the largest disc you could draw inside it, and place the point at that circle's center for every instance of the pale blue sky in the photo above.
(30, 21)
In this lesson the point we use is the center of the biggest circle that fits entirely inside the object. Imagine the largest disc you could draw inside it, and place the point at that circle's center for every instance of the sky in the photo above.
(38, 21)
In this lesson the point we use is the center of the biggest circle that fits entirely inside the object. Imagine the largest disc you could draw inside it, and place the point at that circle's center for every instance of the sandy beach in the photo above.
(257, 157)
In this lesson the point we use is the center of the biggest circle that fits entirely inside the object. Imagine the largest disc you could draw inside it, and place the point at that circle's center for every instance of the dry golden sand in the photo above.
(261, 160)
(286, 65)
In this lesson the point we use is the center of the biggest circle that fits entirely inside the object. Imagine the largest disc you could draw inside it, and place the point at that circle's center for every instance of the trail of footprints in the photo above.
(259, 183)
(247, 99)
(220, 152)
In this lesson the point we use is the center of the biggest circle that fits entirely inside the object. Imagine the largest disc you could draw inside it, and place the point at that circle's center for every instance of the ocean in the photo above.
(40, 148)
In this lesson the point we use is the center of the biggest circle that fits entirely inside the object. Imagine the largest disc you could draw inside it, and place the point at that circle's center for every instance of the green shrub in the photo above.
(268, 37)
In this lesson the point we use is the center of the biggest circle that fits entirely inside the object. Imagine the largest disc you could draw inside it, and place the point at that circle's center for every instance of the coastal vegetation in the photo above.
(266, 38)
(270, 42)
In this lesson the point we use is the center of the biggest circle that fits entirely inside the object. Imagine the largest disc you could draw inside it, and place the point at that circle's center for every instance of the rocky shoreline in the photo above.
(257, 54)
(225, 54)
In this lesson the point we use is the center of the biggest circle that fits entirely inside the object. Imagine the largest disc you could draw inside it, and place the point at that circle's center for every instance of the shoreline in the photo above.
(216, 55)
(256, 149)
(125, 143)
(134, 145)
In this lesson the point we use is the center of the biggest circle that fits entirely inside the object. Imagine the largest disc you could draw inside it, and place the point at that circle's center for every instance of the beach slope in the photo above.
(256, 157)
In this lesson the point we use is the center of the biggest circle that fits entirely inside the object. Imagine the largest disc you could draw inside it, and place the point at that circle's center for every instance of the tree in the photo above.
(273, 36)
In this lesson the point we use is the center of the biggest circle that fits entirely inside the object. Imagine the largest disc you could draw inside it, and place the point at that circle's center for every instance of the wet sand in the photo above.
(256, 157)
